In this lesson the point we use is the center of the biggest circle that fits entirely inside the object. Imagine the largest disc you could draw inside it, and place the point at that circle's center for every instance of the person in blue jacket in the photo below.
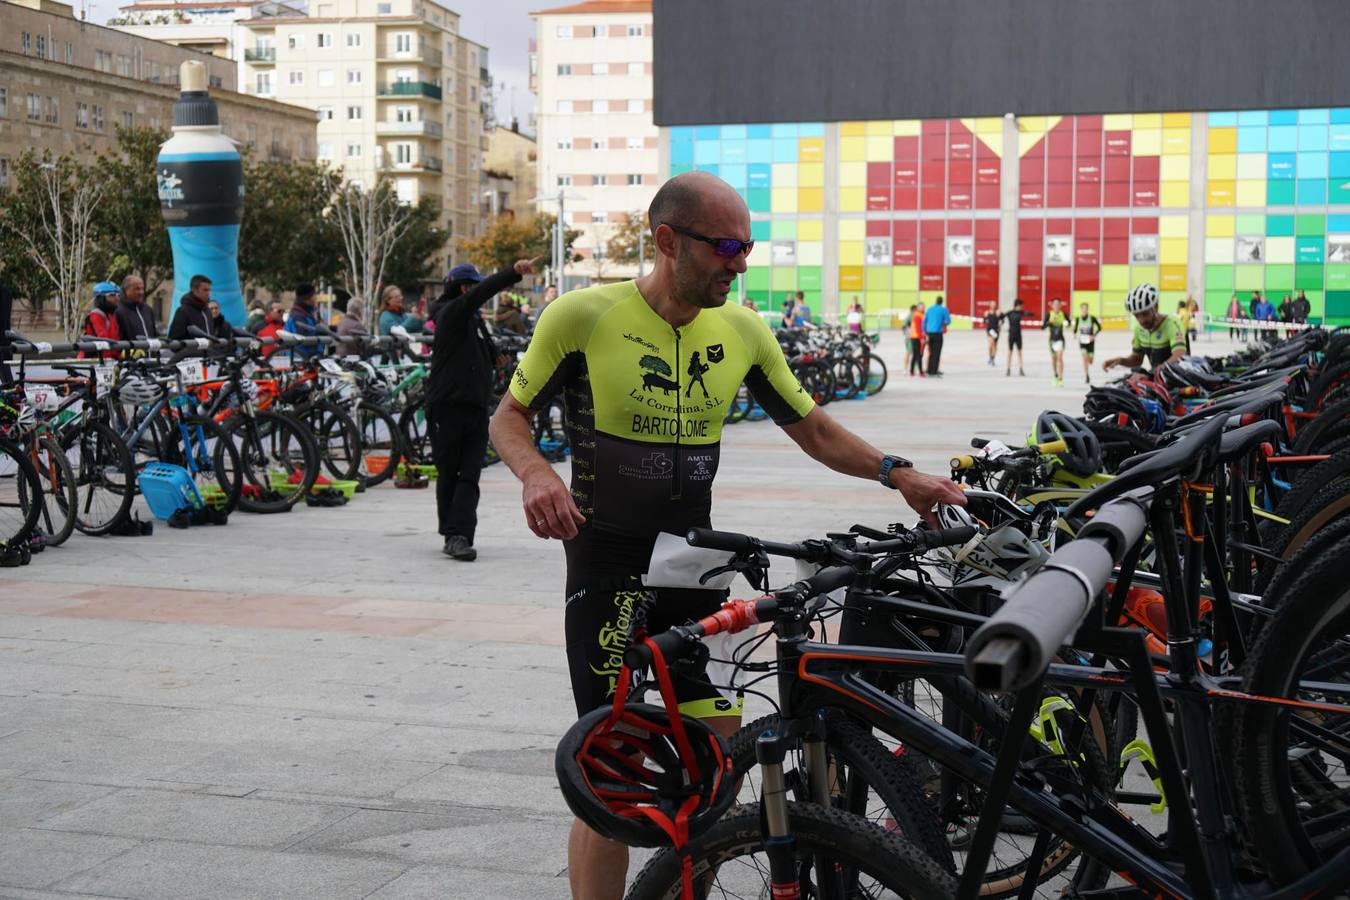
(935, 322)
(303, 319)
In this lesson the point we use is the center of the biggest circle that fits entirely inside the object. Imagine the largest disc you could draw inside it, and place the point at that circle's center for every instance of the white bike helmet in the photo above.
(138, 390)
(1142, 297)
(993, 559)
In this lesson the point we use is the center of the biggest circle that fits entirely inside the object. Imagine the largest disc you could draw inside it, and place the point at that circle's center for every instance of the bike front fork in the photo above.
(780, 844)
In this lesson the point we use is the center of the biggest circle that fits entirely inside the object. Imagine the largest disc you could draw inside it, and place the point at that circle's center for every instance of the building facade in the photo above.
(206, 27)
(397, 90)
(516, 157)
(597, 145)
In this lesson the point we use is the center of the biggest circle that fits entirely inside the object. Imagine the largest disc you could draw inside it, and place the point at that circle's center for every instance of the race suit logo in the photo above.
(613, 639)
(716, 353)
(657, 374)
(655, 465)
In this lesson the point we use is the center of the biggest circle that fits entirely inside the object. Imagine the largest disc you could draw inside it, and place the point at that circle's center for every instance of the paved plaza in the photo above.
(321, 705)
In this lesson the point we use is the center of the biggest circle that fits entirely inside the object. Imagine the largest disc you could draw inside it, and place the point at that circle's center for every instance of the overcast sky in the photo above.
(503, 26)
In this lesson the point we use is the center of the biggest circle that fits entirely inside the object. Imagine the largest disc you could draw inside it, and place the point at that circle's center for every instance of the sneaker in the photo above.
(457, 546)
(1087, 379)
(1008, 373)
(1022, 372)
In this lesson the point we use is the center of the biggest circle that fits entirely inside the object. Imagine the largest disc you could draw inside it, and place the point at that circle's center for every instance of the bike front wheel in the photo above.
(105, 477)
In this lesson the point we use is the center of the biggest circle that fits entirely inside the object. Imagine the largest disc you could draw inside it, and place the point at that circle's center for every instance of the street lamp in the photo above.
(559, 233)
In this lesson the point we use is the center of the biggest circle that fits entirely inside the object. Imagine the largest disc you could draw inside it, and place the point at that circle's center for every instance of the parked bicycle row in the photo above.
(1120, 670)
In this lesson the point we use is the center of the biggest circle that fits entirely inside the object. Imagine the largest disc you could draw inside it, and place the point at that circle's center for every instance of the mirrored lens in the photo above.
(729, 247)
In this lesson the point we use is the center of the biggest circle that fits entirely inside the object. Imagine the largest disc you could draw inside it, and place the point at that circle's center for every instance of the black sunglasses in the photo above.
(726, 248)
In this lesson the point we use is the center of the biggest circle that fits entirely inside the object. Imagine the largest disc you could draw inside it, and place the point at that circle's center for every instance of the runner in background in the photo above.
(1014, 317)
(1055, 323)
(1184, 319)
(914, 358)
(1087, 327)
(992, 320)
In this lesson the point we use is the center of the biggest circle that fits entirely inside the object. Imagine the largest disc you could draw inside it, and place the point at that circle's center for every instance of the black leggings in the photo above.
(916, 355)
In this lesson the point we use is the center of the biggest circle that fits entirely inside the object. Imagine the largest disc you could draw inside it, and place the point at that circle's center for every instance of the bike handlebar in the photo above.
(968, 461)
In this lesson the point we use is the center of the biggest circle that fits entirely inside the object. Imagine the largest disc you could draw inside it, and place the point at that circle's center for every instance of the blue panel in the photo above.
(1309, 249)
(1312, 137)
(681, 133)
(1283, 139)
(735, 176)
(759, 175)
(1280, 166)
(1340, 115)
(760, 229)
(759, 131)
(708, 132)
(711, 169)
(759, 151)
(733, 151)
(1312, 192)
(682, 153)
(1222, 119)
(784, 149)
(1312, 165)
(784, 129)
(1340, 164)
(706, 152)
(1314, 116)
(1284, 117)
(811, 129)
(1340, 137)
(1252, 117)
(1251, 138)
(1338, 224)
(733, 132)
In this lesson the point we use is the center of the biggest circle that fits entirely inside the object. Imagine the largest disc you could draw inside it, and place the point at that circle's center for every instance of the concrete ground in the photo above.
(320, 704)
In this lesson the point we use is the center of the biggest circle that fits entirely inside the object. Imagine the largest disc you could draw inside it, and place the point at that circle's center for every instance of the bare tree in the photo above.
(371, 223)
(50, 212)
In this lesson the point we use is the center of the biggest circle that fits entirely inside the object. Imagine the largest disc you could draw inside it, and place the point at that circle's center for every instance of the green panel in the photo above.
(1249, 277)
(812, 299)
(756, 279)
(1315, 304)
(1338, 191)
(1338, 307)
(1279, 278)
(761, 298)
(759, 229)
(1250, 223)
(679, 170)
(1280, 193)
(1309, 249)
(1308, 278)
(808, 278)
(1338, 277)
(758, 200)
(785, 278)
(1310, 223)
(1216, 303)
(783, 230)
(1280, 226)
(877, 278)
(1218, 278)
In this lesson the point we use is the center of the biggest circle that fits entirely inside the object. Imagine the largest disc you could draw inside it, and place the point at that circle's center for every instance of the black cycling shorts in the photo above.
(1015, 340)
(598, 622)
(1089, 349)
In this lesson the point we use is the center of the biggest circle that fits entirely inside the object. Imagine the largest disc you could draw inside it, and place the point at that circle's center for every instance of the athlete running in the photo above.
(645, 457)
(1158, 337)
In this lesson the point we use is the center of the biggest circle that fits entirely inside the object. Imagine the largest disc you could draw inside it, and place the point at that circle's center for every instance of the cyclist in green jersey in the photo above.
(647, 369)
(1055, 323)
(1158, 337)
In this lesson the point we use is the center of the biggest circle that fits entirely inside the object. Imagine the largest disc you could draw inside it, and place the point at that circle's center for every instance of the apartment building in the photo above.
(397, 90)
(210, 27)
(65, 85)
(591, 70)
(514, 158)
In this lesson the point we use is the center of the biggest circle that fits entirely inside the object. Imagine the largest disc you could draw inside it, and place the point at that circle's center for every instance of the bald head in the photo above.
(690, 197)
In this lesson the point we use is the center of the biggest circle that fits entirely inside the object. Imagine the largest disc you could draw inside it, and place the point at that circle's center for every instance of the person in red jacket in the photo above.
(273, 320)
(101, 322)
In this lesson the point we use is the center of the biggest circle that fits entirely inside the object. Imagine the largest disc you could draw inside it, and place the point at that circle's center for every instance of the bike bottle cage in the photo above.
(1139, 749)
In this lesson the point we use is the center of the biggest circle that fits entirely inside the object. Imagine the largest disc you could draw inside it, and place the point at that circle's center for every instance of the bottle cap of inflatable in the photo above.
(194, 107)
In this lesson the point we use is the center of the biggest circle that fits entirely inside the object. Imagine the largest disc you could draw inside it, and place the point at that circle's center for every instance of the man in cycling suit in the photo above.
(644, 454)
(1158, 337)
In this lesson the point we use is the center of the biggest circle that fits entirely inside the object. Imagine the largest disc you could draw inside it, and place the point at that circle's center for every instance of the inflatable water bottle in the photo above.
(201, 196)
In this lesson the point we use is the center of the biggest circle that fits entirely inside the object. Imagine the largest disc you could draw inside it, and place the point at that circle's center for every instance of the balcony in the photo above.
(261, 56)
(426, 165)
(426, 89)
(427, 55)
(424, 129)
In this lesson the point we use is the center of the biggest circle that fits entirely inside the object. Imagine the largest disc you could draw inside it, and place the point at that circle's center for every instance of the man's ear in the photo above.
(664, 238)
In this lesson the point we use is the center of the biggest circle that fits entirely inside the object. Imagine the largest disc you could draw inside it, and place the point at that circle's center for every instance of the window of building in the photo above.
(634, 180)
(70, 53)
(450, 157)
(564, 31)
(635, 106)
(81, 115)
(449, 120)
(354, 113)
(473, 93)
(595, 31)
(54, 113)
(323, 40)
(128, 119)
(325, 150)
(297, 77)
(635, 68)
(264, 84)
(600, 69)
(251, 135)
(403, 42)
(403, 153)
(124, 66)
(353, 151)
(564, 181)
(635, 31)
(600, 180)
(405, 114)
(95, 113)
(564, 68)
(4, 171)
(635, 143)
(295, 41)
(353, 39)
(154, 121)
(353, 76)
(28, 43)
(564, 106)
(384, 9)
(325, 10)
(4, 103)
(325, 113)
(565, 143)
(325, 78)
(34, 107)
(406, 190)
(41, 46)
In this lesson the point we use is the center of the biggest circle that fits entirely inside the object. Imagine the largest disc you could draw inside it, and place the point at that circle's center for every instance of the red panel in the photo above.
(905, 198)
(930, 278)
(879, 174)
(1031, 288)
(1030, 229)
(960, 227)
(1145, 194)
(982, 151)
(958, 291)
(962, 143)
(1059, 142)
(934, 146)
(907, 147)
(1031, 196)
(934, 126)
(933, 173)
(1058, 282)
(1088, 171)
(904, 247)
(1087, 195)
(987, 196)
(985, 300)
(878, 228)
(960, 171)
(1115, 251)
(932, 253)
(986, 254)
(1059, 226)
(1059, 195)
(1059, 170)
(987, 229)
(1144, 225)
(1117, 143)
(1088, 123)
(960, 197)
(932, 229)
(1115, 228)
(1146, 168)
(905, 173)
(1032, 169)
(1031, 252)
(1036, 150)
(986, 287)
(1116, 168)
(879, 197)
(988, 171)
(1087, 276)
(1089, 144)
(1116, 193)
(1087, 228)
(933, 197)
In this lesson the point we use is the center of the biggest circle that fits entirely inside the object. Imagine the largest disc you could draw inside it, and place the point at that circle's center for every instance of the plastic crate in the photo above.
(167, 489)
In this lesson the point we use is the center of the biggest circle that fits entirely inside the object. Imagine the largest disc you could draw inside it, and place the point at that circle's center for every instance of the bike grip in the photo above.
(198, 333)
(1037, 618)
(826, 580)
(947, 537)
(962, 462)
(1053, 446)
(639, 656)
(718, 540)
(979, 443)
(1120, 523)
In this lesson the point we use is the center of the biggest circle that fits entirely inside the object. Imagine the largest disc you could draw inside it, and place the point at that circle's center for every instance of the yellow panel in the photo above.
(853, 149)
(880, 149)
(853, 174)
(850, 278)
(1173, 278)
(811, 175)
(1222, 166)
(1251, 193)
(1174, 168)
(905, 278)
(810, 253)
(877, 278)
(1117, 122)
(1176, 141)
(907, 128)
(1176, 120)
(880, 129)
(989, 125)
(1174, 194)
(784, 175)
(1251, 166)
(1113, 311)
(901, 301)
(852, 229)
(1219, 226)
(1026, 141)
(1144, 275)
(810, 199)
(928, 298)
(1279, 249)
(1146, 141)
(1115, 278)
(1220, 193)
(810, 230)
(1147, 120)
(1092, 298)
(1222, 140)
(1173, 226)
(784, 200)
(852, 129)
(1172, 251)
(1033, 124)
(810, 150)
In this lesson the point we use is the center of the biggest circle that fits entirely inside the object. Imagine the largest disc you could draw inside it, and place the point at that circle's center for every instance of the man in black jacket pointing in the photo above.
(458, 392)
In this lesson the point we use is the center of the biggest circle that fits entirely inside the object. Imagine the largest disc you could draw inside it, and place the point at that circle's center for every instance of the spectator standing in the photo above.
(135, 320)
(192, 311)
(508, 316)
(256, 316)
(274, 319)
(1196, 317)
(1087, 327)
(1014, 318)
(219, 327)
(750, 304)
(1262, 312)
(101, 322)
(789, 309)
(1235, 313)
(1255, 301)
(354, 322)
(936, 319)
(1302, 309)
(1055, 323)
(1184, 320)
(393, 314)
(854, 319)
(914, 351)
(303, 320)
(992, 321)
(1286, 310)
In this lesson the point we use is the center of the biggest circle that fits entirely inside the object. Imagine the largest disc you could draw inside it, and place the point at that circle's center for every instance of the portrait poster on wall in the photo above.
(1251, 249)
(1338, 248)
(1058, 250)
(877, 251)
(960, 251)
(1144, 248)
(783, 253)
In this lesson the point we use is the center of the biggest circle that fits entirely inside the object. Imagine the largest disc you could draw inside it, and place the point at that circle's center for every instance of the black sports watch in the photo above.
(892, 462)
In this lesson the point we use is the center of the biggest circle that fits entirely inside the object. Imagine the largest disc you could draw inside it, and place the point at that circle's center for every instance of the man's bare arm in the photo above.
(550, 511)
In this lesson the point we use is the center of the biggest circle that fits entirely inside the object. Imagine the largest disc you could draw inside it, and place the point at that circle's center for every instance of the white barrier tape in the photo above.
(1256, 325)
